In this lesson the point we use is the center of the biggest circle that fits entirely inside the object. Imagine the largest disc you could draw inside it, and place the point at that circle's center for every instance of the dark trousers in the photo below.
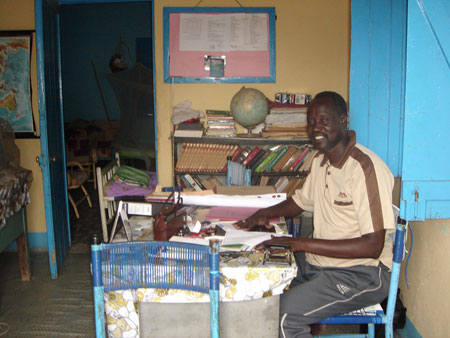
(317, 293)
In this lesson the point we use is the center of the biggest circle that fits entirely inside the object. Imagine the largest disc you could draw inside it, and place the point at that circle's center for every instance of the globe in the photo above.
(249, 107)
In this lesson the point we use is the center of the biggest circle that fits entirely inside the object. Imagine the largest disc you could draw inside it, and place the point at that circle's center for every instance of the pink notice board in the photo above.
(187, 64)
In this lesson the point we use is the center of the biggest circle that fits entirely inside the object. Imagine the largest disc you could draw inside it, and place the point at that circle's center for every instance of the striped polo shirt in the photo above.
(349, 200)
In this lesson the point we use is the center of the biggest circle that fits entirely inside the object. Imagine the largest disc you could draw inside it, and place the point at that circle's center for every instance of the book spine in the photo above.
(276, 158)
(308, 161)
(286, 157)
(251, 156)
(186, 182)
(302, 155)
(242, 156)
(300, 163)
(264, 163)
(258, 158)
(192, 182)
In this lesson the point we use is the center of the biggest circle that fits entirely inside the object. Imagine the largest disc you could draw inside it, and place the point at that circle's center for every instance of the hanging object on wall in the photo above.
(117, 63)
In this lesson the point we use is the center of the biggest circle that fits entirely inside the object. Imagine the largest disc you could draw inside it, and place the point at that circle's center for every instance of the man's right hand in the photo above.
(253, 221)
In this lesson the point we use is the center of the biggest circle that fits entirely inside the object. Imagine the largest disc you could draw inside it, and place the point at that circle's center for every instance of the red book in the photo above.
(251, 156)
(236, 154)
(305, 151)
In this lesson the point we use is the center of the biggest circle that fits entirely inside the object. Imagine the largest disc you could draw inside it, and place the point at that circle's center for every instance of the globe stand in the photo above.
(249, 134)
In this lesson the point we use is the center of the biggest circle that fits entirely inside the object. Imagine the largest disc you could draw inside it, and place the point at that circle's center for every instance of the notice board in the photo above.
(219, 44)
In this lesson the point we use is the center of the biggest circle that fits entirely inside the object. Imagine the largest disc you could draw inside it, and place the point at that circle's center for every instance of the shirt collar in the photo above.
(351, 144)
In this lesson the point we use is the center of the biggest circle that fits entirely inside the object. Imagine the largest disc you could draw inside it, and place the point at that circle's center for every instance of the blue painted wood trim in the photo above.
(425, 200)
(43, 158)
(66, 191)
(272, 43)
(377, 77)
(155, 107)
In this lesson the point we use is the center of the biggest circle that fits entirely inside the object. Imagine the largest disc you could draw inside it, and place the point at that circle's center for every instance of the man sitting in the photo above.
(346, 265)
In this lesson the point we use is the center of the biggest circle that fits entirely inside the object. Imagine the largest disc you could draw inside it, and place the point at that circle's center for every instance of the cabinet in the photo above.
(204, 159)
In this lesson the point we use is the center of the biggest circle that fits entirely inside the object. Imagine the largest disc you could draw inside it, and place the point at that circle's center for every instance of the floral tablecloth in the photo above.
(14, 186)
(243, 277)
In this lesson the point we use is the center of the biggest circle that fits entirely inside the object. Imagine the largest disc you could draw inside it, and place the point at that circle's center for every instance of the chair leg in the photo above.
(371, 330)
(74, 205)
(389, 330)
(87, 195)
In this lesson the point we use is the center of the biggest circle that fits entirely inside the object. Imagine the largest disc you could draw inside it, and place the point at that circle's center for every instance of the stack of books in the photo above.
(220, 123)
(285, 121)
(194, 129)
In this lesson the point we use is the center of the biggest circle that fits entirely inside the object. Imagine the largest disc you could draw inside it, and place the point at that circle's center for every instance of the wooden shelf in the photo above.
(239, 140)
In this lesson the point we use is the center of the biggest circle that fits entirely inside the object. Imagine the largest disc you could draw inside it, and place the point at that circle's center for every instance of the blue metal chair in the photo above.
(379, 317)
(237, 174)
(131, 265)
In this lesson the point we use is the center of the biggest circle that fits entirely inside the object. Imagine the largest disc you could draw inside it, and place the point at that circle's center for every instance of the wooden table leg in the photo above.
(24, 262)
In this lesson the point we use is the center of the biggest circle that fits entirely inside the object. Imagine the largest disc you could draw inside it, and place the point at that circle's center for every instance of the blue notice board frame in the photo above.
(269, 62)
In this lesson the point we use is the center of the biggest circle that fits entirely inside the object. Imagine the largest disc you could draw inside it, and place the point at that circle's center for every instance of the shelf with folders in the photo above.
(272, 161)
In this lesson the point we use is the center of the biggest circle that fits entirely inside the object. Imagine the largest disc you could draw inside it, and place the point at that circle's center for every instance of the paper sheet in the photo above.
(248, 239)
(255, 201)
(225, 32)
(234, 214)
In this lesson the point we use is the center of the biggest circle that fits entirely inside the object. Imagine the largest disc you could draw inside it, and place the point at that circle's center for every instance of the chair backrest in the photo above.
(152, 264)
(237, 174)
(399, 254)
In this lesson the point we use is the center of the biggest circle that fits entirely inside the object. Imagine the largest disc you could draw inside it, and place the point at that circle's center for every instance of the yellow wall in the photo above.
(19, 15)
(427, 299)
(312, 54)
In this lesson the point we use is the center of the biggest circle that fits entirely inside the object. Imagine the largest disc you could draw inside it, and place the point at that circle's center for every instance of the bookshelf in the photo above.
(206, 157)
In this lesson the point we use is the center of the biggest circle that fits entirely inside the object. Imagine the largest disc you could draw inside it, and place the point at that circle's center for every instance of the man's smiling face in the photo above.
(325, 127)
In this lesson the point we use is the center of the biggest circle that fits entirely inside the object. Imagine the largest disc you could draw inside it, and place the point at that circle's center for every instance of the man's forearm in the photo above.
(367, 246)
(287, 208)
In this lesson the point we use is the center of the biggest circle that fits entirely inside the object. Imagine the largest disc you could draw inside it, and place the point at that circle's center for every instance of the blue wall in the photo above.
(93, 31)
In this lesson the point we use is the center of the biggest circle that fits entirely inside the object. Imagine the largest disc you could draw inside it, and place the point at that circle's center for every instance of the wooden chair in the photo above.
(76, 177)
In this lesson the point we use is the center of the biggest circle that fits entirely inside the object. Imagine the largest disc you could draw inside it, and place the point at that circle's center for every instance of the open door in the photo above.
(52, 158)
(426, 173)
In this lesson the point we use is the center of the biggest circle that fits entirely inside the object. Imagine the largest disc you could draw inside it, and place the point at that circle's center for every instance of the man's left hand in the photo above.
(293, 243)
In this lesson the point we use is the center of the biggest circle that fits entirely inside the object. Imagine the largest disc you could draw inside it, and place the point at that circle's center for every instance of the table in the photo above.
(243, 278)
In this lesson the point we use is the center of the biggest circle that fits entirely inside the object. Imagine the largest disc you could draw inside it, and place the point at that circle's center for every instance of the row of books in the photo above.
(220, 123)
(282, 184)
(202, 157)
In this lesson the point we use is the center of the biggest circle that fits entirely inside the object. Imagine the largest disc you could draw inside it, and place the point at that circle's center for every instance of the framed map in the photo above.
(15, 91)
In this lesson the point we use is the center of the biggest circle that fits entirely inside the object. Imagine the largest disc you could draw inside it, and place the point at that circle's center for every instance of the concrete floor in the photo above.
(44, 307)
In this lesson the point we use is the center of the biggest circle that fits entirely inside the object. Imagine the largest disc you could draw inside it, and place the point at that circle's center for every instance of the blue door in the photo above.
(52, 158)
(426, 151)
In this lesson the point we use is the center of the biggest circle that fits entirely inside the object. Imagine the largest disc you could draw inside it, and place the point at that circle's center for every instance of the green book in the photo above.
(213, 112)
(264, 163)
(277, 158)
